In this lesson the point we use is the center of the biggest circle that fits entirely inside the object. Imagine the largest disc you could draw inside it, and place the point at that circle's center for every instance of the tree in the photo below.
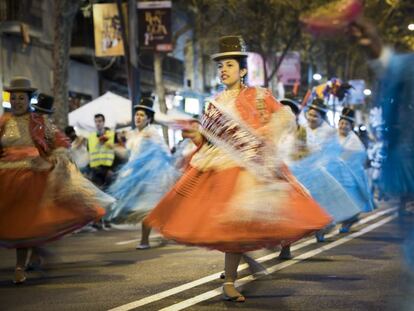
(267, 26)
(64, 12)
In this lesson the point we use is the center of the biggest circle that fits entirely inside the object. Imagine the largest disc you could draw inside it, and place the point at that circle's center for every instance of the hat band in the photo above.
(42, 109)
(317, 108)
(143, 107)
(347, 118)
(229, 54)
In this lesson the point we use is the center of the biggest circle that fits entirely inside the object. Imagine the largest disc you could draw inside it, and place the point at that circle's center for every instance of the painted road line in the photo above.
(215, 276)
(216, 292)
(127, 242)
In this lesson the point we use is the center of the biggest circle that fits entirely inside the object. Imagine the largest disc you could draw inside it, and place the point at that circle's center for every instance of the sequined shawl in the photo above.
(44, 134)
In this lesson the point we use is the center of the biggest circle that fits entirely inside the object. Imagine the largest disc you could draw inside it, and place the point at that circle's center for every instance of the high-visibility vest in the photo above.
(101, 154)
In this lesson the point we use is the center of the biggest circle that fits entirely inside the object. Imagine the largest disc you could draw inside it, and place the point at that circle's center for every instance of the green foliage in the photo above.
(270, 26)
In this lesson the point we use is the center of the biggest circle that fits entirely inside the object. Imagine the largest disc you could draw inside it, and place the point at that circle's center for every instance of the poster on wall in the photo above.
(289, 70)
(154, 25)
(107, 29)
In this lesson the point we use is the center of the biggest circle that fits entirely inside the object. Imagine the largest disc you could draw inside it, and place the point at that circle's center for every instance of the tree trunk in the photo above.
(265, 75)
(63, 14)
(159, 88)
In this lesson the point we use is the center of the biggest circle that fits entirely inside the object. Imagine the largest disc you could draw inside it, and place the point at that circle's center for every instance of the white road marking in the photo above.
(127, 242)
(215, 292)
(215, 276)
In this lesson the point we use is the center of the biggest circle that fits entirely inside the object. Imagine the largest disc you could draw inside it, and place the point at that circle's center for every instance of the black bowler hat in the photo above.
(292, 104)
(319, 105)
(230, 46)
(145, 103)
(44, 104)
(348, 114)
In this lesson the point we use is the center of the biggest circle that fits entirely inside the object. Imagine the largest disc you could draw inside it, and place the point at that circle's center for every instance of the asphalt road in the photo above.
(362, 270)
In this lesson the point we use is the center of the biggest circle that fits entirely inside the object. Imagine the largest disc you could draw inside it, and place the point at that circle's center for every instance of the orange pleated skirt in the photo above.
(26, 220)
(200, 211)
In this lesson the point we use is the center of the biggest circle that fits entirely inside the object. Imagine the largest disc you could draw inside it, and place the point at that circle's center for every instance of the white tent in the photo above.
(115, 108)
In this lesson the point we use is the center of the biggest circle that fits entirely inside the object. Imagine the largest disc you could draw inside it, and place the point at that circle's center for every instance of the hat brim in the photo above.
(294, 106)
(136, 107)
(19, 89)
(42, 109)
(347, 118)
(318, 108)
(219, 56)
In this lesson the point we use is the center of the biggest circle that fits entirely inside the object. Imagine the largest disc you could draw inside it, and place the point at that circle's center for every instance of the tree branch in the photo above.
(285, 50)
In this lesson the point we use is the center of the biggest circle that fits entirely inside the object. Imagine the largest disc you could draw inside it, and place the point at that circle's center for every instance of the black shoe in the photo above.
(285, 253)
(97, 226)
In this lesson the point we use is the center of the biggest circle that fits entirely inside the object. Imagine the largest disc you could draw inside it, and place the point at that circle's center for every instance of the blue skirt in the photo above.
(326, 190)
(142, 182)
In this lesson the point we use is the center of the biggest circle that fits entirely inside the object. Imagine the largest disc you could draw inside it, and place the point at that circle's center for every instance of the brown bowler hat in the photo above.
(230, 46)
(22, 84)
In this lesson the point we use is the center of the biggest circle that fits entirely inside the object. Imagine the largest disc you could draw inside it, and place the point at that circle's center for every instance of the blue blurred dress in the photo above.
(145, 178)
(320, 170)
(396, 98)
(354, 179)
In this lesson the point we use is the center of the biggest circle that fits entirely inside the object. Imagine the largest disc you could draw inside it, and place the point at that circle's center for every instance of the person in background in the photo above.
(121, 152)
(318, 130)
(44, 104)
(354, 155)
(148, 174)
(78, 150)
(38, 202)
(395, 97)
(309, 163)
(184, 150)
(101, 153)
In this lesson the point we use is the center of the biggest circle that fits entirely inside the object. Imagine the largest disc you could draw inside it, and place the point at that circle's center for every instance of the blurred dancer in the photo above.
(79, 149)
(185, 150)
(354, 155)
(318, 130)
(148, 175)
(310, 165)
(237, 195)
(395, 96)
(44, 104)
(39, 200)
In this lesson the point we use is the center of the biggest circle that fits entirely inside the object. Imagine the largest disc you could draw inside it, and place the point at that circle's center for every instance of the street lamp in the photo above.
(411, 27)
(317, 77)
(367, 92)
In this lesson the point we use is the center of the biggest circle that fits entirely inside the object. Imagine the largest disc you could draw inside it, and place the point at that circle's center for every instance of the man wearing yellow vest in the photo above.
(101, 153)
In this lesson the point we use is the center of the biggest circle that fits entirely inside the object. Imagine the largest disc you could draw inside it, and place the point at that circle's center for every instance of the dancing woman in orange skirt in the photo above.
(43, 196)
(237, 195)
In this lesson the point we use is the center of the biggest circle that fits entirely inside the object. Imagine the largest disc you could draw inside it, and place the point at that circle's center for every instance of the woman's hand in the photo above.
(366, 35)
(194, 135)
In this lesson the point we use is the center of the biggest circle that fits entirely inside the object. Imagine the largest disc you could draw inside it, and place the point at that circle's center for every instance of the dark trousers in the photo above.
(101, 176)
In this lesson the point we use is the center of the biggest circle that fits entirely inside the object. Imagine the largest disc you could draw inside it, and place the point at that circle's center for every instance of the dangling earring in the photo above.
(242, 81)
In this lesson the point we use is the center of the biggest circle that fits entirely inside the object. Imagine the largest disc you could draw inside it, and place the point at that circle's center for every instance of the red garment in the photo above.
(31, 213)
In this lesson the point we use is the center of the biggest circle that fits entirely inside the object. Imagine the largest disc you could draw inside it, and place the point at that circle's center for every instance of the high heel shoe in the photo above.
(19, 276)
(237, 298)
